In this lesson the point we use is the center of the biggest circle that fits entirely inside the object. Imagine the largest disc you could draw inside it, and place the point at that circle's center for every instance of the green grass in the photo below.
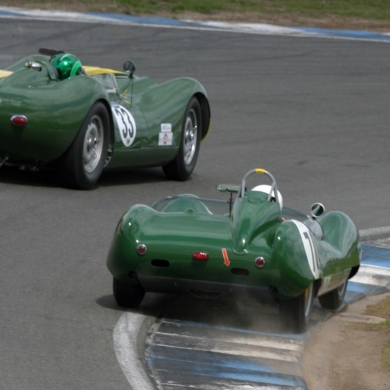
(368, 9)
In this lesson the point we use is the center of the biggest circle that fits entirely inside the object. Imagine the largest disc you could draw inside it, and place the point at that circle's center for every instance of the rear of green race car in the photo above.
(193, 250)
(40, 115)
(253, 244)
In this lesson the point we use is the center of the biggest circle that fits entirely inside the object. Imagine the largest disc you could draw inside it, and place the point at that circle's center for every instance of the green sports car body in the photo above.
(100, 118)
(203, 246)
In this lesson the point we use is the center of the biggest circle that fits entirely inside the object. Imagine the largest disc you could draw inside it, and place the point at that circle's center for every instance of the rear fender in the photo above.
(167, 103)
(55, 111)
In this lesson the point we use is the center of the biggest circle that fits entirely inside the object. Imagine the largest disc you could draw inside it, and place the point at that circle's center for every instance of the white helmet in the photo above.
(267, 189)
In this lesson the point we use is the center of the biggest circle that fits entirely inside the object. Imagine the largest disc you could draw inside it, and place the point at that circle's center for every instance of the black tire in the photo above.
(334, 299)
(83, 163)
(296, 312)
(127, 295)
(184, 163)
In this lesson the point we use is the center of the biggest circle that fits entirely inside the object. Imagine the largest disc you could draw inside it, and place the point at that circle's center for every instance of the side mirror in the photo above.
(316, 210)
(129, 67)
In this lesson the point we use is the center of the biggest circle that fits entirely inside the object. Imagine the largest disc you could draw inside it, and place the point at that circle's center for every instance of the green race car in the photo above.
(54, 112)
(203, 246)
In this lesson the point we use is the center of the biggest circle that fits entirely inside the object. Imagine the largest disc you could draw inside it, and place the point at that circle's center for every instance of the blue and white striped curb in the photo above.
(248, 28)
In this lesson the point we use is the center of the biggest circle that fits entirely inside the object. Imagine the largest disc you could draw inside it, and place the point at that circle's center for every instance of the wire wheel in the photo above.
(190, 136)
(81, 166)
(93, 144)
(184, 163)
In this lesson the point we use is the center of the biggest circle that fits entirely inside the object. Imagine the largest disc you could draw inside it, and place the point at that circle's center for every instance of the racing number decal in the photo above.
(311, 254)
(313, 257)
(126, 124)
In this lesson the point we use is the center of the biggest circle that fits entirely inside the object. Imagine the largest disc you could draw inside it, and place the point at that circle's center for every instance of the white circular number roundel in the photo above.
(126, 124)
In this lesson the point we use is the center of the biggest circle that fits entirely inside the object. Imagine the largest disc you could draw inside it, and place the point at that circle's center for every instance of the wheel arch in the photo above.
(111, 128)
(205, 112)
(354, 271)
(317, 285)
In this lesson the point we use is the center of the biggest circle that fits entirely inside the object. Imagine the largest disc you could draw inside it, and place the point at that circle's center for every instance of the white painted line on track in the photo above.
(125, 345)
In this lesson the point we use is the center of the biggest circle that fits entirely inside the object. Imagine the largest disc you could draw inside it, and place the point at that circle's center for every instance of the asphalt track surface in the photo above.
(312, 111)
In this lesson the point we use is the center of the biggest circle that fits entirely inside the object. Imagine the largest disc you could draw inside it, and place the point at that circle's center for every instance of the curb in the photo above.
(374, 233)
(216, 26)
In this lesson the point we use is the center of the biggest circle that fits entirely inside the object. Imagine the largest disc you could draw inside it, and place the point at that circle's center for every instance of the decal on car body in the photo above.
(165, 139)
(126, 123)
(310, 250)
(226, 260)
(166, 127)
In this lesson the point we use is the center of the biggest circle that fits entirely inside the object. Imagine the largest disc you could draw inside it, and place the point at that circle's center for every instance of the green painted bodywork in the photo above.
(174, 228)
(57, 108)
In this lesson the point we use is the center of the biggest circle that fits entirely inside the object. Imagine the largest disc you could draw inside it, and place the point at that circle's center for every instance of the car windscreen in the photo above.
(214, 206)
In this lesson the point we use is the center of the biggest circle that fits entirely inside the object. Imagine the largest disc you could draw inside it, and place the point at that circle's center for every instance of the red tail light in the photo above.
(203, 256)
(19, 120)
(142, 249)
(259, 262)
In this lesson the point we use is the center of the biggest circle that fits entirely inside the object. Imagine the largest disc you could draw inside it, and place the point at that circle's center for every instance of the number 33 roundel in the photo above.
(126, 123)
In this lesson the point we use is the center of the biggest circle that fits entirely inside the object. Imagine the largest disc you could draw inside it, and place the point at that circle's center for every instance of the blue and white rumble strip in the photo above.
(248, 28)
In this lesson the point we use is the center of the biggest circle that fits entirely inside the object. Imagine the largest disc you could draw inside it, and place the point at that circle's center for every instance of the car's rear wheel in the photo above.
(333, 299)
(184, 163)
(83, 163)
(127, 295)
(296, 312)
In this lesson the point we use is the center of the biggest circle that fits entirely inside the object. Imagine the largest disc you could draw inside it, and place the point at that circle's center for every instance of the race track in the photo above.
(312, 111)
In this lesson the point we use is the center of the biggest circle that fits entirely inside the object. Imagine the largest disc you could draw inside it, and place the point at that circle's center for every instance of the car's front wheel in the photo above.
(127, 295)
(296, 312)
(333, 299)
(184, 163)
(84, 161)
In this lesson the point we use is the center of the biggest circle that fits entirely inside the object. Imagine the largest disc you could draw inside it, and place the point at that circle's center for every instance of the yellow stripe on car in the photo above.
(4, 73)
(94, 70)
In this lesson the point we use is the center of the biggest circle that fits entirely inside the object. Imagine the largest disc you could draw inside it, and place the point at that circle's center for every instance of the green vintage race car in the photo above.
(203, 246)
(54, 112)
